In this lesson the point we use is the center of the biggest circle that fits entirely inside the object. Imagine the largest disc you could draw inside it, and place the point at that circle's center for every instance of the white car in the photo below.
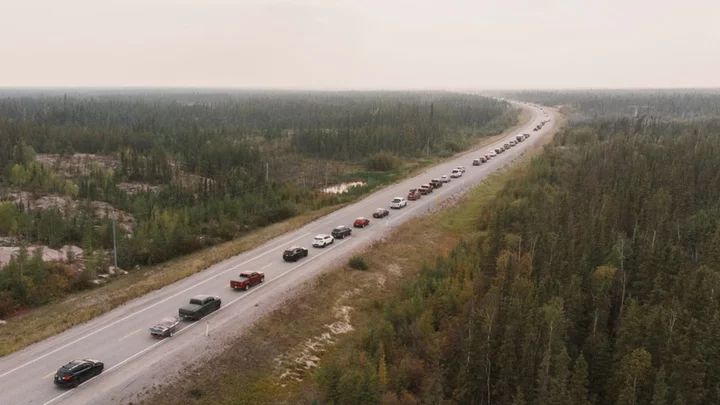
(445, 178)
(322, 240)
(398, 202)
(461, 168)
(455, 174)
(493, 154)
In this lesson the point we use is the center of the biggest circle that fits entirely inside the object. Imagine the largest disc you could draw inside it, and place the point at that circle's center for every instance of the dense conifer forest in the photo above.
(595, 279)
(651, 104)
(202, 167)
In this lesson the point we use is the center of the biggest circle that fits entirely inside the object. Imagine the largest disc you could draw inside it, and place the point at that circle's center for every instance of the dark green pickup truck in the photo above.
(199, 306)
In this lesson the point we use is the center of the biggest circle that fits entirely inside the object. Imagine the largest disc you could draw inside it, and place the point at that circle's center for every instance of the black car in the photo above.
(341, 232)
(381, 212)
(77, 372)
(294, 253)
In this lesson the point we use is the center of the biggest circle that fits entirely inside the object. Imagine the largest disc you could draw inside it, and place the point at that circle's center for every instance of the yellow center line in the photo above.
(128, 335)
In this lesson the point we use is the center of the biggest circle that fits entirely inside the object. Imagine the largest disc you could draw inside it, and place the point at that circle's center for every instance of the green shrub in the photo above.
(358, 263)
(196, 393)
(383, 162)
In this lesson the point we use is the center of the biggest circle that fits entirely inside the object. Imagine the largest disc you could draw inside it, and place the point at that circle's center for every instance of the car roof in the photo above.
(359, 218)
(341, 227)
(74, 364)
(294, 248)
(322, 235)
(247, 273)
(201, 297)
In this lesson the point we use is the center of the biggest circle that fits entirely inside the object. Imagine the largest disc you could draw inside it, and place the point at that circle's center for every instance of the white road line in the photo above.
(59, 396)
(144, 309)
(266, 266)
(128, 335)
(245, 295)
(52, 373)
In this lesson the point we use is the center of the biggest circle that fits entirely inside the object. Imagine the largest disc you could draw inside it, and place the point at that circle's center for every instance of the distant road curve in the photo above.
(134, 360)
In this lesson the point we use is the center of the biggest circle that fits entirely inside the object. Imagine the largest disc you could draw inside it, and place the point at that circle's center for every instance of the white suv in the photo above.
(398, 202)
(455, 173)
(322, 240)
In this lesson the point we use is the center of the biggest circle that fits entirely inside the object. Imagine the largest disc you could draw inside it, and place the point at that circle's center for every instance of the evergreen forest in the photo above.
(594, 278)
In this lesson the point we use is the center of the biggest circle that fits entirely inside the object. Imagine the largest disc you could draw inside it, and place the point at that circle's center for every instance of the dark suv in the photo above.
(294, 253)
(341, 232)
(77, 371)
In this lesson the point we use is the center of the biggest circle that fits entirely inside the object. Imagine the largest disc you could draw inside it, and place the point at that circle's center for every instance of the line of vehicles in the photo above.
(76, 372)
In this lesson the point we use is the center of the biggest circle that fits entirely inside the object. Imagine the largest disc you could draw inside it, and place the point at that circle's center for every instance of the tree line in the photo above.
(594, 280)
(685, 104)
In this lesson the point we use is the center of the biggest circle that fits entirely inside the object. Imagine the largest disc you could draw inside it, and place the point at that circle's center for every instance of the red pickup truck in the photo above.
(413, 195)
(247, 279)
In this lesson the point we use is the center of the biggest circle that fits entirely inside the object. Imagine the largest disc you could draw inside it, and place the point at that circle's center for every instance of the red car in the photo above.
(247, 279)
(361, 222)
(413, 195)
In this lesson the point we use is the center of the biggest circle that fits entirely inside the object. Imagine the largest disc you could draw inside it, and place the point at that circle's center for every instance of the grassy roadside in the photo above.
(274, 361)
(40, 323)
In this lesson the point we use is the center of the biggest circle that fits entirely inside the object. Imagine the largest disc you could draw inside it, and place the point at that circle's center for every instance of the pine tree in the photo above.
(631, 375)
(519, 399)
(660, 388)
(579, 382)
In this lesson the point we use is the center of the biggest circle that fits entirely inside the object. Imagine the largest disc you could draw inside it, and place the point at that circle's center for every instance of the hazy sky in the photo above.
(378, 44)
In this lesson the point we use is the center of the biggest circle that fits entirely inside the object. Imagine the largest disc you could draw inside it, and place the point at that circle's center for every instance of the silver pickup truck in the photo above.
(165, 328)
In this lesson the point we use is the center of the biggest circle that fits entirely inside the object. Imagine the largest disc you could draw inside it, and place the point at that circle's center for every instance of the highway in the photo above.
(135, 361)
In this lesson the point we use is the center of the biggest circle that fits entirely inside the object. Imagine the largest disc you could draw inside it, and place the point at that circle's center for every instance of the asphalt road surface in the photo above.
(134, 360)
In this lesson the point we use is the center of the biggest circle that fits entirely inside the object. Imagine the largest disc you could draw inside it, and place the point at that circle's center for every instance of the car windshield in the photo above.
(396, 200)
(318, 238)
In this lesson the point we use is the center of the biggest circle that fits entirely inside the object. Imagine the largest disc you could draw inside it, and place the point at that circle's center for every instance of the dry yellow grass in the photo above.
(246, 373)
